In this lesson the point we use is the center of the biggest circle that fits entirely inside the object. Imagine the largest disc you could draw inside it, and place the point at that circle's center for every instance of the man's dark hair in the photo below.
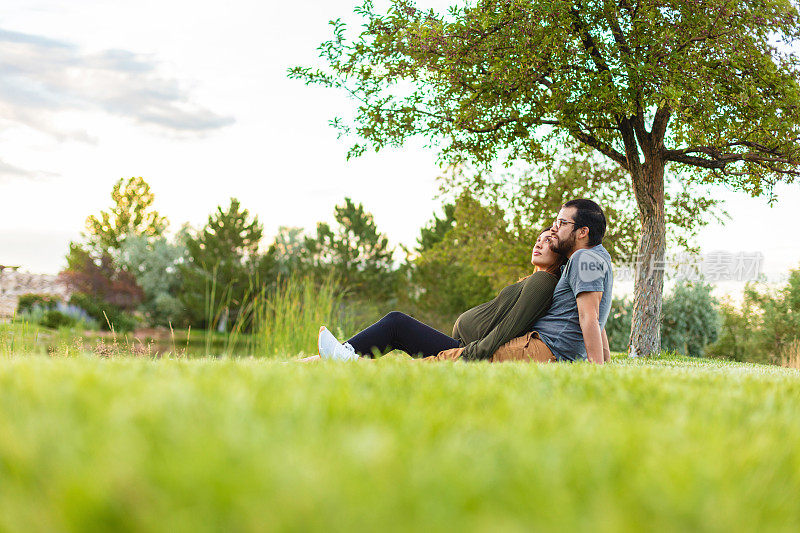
(589, 214)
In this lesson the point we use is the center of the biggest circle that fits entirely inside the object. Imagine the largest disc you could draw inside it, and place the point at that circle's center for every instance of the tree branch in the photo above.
(600, 146)
(718, 160)
(504, 122)
(660, 123)
(588, 43)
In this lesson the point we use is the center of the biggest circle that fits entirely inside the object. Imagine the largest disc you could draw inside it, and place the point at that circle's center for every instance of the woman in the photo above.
(477, 333)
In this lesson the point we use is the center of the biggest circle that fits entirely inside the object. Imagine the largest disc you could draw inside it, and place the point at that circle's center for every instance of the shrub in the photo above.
(27, 302)
(107, 316)
(691, 319)
(54, 319)
(618, 326)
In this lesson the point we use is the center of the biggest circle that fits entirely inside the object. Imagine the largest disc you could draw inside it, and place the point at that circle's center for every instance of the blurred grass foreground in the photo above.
(136, 444)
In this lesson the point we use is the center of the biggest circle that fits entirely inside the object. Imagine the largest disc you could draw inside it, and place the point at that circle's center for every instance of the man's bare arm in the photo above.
(606, 348)
(588, 315)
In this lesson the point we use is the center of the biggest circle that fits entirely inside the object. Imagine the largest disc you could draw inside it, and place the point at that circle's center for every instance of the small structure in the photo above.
(14, 284)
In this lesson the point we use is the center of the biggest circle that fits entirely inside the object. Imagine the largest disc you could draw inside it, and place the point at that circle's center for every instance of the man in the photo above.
(573, 327)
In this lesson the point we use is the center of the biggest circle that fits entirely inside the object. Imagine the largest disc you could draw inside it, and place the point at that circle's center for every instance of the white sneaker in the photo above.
(330, 348)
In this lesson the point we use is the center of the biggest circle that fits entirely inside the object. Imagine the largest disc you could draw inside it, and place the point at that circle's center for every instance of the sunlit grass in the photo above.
(122, 443)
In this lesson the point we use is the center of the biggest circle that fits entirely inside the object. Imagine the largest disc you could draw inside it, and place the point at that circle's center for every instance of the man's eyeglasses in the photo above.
(560, 222)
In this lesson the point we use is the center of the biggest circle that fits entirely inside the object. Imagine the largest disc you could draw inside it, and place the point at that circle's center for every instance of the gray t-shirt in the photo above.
(589, 269)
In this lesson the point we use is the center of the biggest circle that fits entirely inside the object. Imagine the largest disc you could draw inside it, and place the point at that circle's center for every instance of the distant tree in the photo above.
(132, 213)
(436, 230)
(101, 279)
(92, 269)
(618, 325)
(443, 284)
(224, 269)
(711, 87)
(765, 327)
(155, 262)
(691, 319)
(354, 251)
(289, 252)
(481, 239)
(107, 293)
(739, 333)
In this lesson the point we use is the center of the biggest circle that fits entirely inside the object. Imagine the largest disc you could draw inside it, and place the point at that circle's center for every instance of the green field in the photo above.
(666, 444)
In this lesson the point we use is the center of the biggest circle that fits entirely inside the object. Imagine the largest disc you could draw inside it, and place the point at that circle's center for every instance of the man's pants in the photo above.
(529, 348)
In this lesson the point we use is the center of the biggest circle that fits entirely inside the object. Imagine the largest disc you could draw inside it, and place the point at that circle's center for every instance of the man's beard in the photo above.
(565, 247)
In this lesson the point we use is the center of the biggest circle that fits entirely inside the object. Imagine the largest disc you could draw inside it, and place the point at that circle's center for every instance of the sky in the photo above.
(194, 97)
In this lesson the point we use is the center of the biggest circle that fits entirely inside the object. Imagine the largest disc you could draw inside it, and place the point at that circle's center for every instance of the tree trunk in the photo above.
(646, 321)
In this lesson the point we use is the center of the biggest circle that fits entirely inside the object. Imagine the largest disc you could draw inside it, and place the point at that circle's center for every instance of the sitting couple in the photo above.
(558, 313)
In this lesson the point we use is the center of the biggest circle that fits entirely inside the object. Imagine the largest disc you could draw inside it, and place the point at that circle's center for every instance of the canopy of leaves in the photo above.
(289, 252)
(715, 81)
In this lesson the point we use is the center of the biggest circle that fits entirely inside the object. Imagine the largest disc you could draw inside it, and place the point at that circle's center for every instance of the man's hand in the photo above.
(589, 317)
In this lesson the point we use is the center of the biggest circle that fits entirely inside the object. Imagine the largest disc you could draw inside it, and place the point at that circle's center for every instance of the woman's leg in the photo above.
(398, 331)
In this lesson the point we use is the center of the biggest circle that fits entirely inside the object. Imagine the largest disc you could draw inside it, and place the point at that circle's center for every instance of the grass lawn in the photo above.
(665, 444)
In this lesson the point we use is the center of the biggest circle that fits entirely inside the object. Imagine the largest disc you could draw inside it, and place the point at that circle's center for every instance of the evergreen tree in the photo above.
(224, 270)
(442, 281)
(355, 252)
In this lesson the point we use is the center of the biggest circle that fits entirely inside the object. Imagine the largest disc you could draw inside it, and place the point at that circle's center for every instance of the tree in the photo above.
(225, 270)
(107, 293)
(354, 251)
(91, 267)
(131, 214)
(155, 264)
(443, 282)
(289, 251)
(691, 318)
(765, 328)
(701, 85)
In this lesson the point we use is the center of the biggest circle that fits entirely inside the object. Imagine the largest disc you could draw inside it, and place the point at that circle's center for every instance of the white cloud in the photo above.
(9, 171)
(43, 77)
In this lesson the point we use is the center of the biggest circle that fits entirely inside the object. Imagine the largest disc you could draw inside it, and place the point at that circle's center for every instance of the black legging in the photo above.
(398, 331)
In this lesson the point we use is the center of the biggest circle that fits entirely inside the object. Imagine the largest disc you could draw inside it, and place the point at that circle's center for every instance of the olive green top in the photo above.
(486, 327)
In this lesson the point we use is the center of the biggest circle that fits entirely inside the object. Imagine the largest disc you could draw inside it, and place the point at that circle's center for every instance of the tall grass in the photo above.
(19, 337)
(287, 321)
(283, 319)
